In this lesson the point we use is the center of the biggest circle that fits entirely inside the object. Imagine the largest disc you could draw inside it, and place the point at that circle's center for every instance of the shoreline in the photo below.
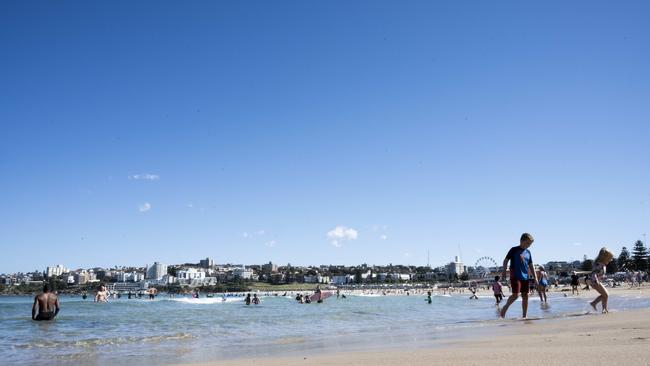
(584, 339)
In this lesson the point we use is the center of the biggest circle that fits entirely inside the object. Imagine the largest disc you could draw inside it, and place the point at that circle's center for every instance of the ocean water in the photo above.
(176, 330)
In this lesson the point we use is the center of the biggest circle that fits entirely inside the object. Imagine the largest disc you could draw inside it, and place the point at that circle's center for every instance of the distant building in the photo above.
(56, 271)
(316, 279)
(83, 277)
(156, 271)
(206, 263)
(190, 274)
(130, 276)
(243, 273)
(456, 267)
(270, 268)
(343, 280)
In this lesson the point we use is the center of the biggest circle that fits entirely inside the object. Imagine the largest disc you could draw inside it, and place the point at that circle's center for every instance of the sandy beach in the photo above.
(593, 339)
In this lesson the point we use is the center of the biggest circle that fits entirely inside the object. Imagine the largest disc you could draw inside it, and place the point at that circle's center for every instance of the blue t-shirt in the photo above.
(520, 260)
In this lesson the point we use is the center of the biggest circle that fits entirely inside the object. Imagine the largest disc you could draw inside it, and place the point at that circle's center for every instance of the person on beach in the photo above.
(600, 264)
(46, 305)
(497, 288)
(586, 288)
(543, 284)
(472, 289)
(102, 294)
(575, 284)
(521, 266)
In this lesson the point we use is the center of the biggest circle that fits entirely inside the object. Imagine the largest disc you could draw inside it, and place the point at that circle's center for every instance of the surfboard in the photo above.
(323, 295)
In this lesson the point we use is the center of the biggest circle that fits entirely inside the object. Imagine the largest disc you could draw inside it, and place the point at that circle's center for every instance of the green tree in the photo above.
(640, 256)
(612, 267)
(171, 271)
(587, 265)
(357, 276)
(464, 276)
(623, 260)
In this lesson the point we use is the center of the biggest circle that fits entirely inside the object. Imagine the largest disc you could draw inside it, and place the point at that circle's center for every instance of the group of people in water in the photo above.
(522, 275)
(523, 280)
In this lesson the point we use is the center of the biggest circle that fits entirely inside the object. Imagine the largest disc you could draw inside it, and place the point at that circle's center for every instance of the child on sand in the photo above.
(600, 264)
(521, 267)
(497, 287)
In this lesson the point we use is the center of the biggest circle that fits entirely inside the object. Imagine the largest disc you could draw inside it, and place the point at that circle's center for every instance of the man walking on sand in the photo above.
(521, 271)
(47, 305)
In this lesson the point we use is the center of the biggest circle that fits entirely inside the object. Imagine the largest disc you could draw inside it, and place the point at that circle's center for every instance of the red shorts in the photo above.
(519, 286)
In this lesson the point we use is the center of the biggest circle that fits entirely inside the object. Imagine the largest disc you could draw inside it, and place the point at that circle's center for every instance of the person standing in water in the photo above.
(543, 284)
(575, 283)
(497, 288)
(102, 295)
(318, 292)
(599, 269)
(521, 266)
(248, 299)
(46, 305)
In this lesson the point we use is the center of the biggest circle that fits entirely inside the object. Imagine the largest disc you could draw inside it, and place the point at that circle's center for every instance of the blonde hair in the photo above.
(604, 256)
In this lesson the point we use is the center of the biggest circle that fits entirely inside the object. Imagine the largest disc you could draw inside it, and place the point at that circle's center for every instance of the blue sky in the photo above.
(320, 132)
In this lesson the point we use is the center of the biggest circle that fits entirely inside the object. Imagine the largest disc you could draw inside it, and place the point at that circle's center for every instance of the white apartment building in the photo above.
(156, 271)
(129, 276)
(57, 270)
(456, 267)
(190, 274)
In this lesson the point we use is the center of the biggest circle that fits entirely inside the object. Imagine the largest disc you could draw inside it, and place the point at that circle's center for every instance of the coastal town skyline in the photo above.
(634, 257)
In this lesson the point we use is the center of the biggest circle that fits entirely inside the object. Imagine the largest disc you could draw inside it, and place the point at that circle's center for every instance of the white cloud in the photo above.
(144, 207)
(270, 244)
(245, 235)
(577, 244)
(145, 176)
(340, 234)
(383, 237)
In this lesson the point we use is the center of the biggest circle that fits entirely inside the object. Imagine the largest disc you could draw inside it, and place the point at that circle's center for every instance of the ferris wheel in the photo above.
(483, 266)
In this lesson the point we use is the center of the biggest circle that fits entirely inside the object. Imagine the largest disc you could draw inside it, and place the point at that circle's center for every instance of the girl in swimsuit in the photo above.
(601, 262)
(543, 284)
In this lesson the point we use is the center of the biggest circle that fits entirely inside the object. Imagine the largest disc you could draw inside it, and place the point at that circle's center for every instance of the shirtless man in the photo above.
(102, 295)
(47, 305)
